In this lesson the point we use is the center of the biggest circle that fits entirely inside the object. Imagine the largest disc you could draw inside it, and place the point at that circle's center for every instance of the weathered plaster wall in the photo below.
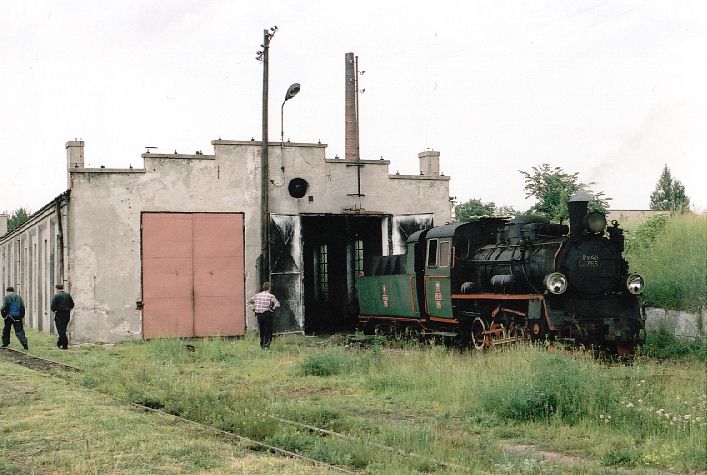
(29, 262)
(333, 186)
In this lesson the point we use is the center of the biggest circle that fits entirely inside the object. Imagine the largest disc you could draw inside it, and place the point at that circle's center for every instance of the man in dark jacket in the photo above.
(62, 303)
(13, 311)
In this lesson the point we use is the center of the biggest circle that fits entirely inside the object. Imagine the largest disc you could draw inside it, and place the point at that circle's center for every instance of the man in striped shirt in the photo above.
(263, 304)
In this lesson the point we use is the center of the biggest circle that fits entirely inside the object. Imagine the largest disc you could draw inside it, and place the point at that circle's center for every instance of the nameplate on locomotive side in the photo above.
(589, 261)
(438, 294)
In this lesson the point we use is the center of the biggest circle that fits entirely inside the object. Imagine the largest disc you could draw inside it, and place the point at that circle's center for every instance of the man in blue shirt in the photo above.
(13, 311)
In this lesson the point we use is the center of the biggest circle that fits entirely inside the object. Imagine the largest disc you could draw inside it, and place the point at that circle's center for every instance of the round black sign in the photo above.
(297, 187)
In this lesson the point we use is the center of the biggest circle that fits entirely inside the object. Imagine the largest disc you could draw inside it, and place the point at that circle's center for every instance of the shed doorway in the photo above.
(193, 275)
(335, 248)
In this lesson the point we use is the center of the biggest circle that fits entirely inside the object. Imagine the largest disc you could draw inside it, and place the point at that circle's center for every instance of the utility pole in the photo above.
(265, 171)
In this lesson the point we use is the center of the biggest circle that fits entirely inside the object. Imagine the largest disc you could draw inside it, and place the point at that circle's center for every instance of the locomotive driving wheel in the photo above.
(516, 332)
(496, 332)
(478, 333)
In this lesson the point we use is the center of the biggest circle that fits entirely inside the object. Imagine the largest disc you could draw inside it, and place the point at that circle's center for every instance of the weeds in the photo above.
(670, 253)
(663, 344)
(442, 404)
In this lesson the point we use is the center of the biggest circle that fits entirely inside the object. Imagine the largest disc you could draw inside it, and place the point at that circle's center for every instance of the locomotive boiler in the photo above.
(494, 280)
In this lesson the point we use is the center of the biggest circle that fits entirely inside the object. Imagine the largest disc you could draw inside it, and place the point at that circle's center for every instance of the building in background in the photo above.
(172, 248)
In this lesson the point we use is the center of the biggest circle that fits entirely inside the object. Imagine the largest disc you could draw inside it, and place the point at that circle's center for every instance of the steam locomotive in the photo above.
(493, 281)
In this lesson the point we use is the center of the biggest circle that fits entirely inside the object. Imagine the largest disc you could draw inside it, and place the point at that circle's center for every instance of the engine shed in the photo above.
(173, 248)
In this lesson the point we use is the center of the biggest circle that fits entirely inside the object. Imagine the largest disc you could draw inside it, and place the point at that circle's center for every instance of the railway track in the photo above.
(45, 365)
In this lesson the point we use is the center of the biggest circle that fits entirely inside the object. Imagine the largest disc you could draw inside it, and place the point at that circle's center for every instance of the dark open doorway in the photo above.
(335, 248)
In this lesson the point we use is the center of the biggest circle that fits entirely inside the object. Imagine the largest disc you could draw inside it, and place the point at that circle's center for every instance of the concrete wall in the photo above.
(683, 325)
(30, 262)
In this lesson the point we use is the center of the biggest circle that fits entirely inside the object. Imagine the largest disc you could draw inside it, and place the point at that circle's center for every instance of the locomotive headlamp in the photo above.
(635, 284)
(596, 222)
(556, 283)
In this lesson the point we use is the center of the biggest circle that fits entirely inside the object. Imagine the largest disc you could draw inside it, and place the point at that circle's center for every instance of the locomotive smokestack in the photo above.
(351, 113)
(577, 207)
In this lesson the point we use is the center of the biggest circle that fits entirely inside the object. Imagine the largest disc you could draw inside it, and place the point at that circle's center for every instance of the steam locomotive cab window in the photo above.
(432, 253)
(444, 248)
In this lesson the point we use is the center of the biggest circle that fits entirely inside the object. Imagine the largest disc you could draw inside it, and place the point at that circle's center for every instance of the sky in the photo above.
(613, 90)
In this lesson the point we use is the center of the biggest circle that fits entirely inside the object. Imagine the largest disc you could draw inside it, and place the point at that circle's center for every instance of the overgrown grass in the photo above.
(50, 427)
(670, 253)
(440, 404)
(663, 344)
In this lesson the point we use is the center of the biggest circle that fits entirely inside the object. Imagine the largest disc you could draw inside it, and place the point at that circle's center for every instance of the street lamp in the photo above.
(291, 92)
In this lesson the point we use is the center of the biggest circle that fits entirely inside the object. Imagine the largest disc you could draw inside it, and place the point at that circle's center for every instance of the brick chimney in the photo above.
(74, 154)
(350, 113)
(429, 163)
(3, 224)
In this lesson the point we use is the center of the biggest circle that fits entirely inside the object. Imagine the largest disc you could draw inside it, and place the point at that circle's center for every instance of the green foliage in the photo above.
(473, 207)
(669, 194)
(18, 218)
(622, 457)
(476, 207)
(552, 188)
(554, 385)
(328, 362)
(663, 344)
(644, 235)
(670, 254)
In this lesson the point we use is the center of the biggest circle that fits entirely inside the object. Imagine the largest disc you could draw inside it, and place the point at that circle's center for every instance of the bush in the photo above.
(663, 344)
(622, 457)
(670, 254)
(328, 362)
(555, 385)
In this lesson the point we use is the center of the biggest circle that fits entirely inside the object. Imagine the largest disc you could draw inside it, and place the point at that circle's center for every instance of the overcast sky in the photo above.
(610, 89)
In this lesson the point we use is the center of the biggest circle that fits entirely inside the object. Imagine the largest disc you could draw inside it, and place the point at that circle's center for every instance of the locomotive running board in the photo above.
(498, 297)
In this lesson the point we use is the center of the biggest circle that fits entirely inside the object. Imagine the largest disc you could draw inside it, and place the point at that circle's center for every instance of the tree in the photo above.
(669, 194)
(473, 207)
(552, 188)
(17, 218)
(476, 207)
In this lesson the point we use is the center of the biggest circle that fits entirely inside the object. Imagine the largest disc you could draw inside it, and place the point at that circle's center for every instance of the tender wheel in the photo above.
(538, 330)
(478, 327)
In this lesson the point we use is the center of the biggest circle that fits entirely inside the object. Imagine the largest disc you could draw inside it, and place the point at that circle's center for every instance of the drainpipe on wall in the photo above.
(60, 239)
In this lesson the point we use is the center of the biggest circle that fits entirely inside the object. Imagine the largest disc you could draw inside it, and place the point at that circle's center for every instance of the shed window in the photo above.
(323, 273)
(358, 256)
(432, 253)
(444, 254)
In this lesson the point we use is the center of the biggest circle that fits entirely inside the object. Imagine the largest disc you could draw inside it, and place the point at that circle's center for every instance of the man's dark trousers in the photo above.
(19, 331)
(265, 326)
(61, 320)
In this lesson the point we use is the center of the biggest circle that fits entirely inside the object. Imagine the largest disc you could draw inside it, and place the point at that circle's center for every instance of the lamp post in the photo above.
(291, 92)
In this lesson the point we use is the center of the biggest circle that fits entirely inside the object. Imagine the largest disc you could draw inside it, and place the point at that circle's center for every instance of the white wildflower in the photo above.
(629, 405)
